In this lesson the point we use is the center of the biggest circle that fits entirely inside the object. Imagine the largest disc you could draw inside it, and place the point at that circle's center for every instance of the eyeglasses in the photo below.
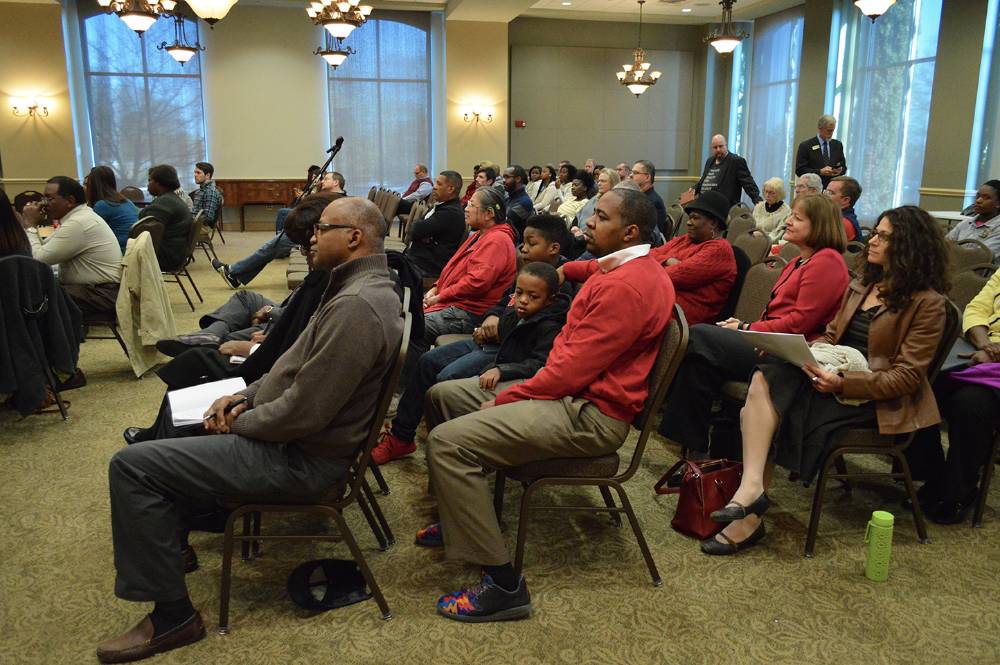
(883, 236)
(323, 226)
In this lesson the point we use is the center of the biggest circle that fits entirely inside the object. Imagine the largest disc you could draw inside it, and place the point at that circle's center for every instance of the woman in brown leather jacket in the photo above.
(893, 315)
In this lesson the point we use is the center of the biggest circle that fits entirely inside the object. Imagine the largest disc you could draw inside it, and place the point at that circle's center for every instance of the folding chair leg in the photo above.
(184, 291)
(379, 480)
(841, 466)
(637, 530)
(245, 543)
(984, 485)
(255, 544)
(193, 285)
(55, 391)
(609, 501)
(359, 558)
(522, 527)
(118, 336)
(227, 575)
(376, 531)
(911, 492)
(817, 505)
(218, 229)
(390, 539)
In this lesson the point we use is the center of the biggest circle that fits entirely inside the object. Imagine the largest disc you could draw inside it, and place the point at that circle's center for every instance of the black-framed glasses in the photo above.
(883, 236)
(323, 226)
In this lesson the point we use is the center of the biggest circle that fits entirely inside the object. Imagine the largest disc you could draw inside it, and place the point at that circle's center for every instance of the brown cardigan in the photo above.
(901, 346)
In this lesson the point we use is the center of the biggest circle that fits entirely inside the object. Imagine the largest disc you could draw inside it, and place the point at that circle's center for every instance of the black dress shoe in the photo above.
(736, 511)
(135, 435)
(714, 547)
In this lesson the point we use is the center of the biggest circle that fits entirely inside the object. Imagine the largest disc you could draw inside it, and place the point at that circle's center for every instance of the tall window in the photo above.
(144, 107)
(881, 97)
(380, 102)
(984, 160)
(774, 86)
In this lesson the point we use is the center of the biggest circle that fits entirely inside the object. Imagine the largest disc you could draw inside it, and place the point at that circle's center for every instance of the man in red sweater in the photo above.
(579, 404)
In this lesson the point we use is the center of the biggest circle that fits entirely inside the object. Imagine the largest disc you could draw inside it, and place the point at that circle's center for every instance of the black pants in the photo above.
(973, 415)
(93, 299)
(232, 319)
(714, 355)
(196, 366)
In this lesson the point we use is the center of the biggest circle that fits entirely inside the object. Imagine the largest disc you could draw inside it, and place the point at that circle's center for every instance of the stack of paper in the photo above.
(188, 405)
(786, 346)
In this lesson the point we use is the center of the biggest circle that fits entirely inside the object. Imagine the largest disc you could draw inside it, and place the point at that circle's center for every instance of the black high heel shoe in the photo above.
(737, 511)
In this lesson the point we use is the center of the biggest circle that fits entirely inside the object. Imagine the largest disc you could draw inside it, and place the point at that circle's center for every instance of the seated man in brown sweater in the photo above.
(292, 433)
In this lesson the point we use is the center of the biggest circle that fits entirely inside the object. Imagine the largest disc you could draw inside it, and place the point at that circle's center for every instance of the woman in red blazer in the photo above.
(804, 300)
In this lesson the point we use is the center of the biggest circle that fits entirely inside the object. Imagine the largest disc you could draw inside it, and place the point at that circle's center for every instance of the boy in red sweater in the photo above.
(579, 404)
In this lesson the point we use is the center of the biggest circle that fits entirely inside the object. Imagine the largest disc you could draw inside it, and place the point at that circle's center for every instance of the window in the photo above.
(984, 158)
(881, 98)
(774, 86)
(380, 102)
(144, 107)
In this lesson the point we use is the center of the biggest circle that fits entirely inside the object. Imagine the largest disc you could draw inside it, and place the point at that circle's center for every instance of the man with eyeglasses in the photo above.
(292, 434)
(643, 174)
(845, 191)
(84, 246)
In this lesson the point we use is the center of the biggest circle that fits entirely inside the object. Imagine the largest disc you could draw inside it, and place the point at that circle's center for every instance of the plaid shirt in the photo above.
(208, 198)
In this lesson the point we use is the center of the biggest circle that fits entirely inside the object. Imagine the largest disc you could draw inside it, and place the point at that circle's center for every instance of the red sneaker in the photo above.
(390, 448)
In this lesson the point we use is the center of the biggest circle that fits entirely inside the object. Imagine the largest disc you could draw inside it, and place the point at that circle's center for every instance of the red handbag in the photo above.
(707, 485)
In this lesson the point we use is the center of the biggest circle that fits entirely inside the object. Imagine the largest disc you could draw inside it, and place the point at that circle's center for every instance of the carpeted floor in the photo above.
(591, 591)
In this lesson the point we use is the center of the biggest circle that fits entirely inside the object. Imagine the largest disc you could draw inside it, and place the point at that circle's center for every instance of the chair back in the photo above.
(757, 246)
(967, 284)
(789, 251)
(668, 361)
(391, 206)
(193, 234)
(386, 392)
(756, 291)
(371, 193)
(681, 221)
(852, 255)
(968, 252)
(743, 265)
(132, 193)
(950, 331)
(153, 226)
(739, 224)
(417, 213)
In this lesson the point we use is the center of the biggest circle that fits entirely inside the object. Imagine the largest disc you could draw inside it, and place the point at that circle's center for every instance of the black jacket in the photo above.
(809, 158)
(175, 216)
(39, 327)
(734, 175)
(524, 348)
(436, 237)
(568, 288)
(406, 274)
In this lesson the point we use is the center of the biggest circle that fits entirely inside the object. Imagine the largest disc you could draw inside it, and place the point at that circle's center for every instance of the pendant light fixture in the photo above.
(874, 8)
(211, 11)
(726, 37)
(138, 15)
(180, 50)
(636, 76)
(340, 18)
(334, 52)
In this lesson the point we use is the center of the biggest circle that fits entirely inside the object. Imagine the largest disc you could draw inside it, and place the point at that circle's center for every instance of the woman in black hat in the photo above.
(700, 263)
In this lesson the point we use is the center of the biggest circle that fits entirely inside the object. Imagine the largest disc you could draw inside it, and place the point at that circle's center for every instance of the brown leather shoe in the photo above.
(139, 642)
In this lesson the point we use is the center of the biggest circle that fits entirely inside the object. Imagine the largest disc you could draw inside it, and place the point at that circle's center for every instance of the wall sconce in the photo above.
(474, 116)
(29, 108)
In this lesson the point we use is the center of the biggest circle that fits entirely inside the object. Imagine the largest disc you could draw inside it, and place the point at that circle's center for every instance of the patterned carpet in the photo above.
(593, 599)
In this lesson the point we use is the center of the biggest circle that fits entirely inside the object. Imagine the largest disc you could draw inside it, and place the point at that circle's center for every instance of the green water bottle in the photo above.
(878, 535)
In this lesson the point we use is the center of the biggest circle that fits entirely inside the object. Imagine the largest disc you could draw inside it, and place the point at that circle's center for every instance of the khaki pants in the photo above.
(465, 444)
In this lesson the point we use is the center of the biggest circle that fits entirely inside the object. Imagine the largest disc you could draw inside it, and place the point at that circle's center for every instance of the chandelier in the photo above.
(874, 8)
(637, 77)
(138, 15)
(340, 17)
(180, 50)
(726, 37)
(334, 52)
(211, 11)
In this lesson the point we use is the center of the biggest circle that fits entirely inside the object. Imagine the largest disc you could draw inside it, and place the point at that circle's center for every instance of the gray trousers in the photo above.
(466, 444)
(156, 485)
(231, 321)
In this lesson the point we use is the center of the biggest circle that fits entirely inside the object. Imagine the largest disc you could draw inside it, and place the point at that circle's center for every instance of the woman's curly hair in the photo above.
(917, 258)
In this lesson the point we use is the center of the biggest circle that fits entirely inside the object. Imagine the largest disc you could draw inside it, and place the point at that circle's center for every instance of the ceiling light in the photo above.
(211, 11)
(180, 50)
(874, 8)
(686, 10)
(139, 20)
(726, 37)
(636, 76)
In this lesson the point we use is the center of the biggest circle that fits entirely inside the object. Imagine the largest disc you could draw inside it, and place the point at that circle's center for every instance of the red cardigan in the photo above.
(608, 346)
(479, 272)
(703, 278)
(806, 296)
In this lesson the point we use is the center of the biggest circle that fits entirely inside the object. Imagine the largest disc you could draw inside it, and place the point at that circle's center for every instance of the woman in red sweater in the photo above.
(700, 263)
(804, 300)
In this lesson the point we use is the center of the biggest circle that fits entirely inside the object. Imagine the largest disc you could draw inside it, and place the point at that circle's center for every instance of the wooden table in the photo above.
(242, 193)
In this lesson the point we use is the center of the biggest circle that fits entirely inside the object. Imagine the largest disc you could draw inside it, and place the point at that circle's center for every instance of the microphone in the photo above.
(337, 145)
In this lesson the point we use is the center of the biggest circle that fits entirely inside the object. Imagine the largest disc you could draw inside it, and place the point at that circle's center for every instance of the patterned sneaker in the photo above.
(223, 269)
(390, 448)
(175, 346)
(430, 536)
(485, 601)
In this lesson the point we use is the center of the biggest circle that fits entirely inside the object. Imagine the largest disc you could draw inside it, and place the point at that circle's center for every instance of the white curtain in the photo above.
(144, 108)
(380, 102)
(774, 84)
(881, 98)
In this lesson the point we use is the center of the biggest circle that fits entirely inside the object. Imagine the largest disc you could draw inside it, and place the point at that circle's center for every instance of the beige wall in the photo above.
(265, 93)
(818, 17)
(476, 74)
(32, 62)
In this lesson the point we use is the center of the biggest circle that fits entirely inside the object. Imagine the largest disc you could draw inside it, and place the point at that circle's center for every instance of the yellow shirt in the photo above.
(984, 309)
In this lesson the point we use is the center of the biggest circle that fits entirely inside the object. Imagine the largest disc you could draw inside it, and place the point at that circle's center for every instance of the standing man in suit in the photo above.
(727, 173)
(168, 209)
(822, 154)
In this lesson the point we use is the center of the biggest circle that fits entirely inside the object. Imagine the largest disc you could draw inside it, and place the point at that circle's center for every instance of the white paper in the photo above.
(188, 405)
(789, 347)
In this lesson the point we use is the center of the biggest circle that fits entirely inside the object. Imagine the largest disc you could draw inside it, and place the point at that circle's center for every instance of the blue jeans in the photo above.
(246, 269)
(460, 360)
(279, 220)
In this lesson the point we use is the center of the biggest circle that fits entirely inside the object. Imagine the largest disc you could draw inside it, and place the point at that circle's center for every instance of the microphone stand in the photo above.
(333, 150)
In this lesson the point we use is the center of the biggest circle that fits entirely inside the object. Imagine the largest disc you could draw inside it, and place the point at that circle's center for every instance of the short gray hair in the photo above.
(826, 120)
(811, 181)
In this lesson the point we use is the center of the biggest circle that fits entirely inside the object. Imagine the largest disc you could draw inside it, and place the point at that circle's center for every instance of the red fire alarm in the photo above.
(520, 124)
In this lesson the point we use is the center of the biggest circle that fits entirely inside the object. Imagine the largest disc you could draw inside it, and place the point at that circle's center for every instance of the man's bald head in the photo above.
(348, 229)
(720, 148)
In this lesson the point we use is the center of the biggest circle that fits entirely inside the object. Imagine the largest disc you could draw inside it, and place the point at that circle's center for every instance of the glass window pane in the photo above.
(402, 51)
(117, 140)
(363, 62)
(111, 46)
(175, 110)
(354, 114)
(404, 132)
